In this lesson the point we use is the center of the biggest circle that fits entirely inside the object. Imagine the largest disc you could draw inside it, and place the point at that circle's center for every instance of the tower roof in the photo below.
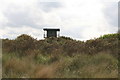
(51, 29)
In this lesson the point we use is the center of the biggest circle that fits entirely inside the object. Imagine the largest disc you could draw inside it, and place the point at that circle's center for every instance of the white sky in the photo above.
(78, 19)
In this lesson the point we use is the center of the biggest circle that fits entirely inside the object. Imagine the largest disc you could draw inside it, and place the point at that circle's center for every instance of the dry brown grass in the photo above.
(78, 66)
(43, 71)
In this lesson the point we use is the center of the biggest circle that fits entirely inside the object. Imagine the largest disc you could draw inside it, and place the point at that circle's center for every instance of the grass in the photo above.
(101, 65)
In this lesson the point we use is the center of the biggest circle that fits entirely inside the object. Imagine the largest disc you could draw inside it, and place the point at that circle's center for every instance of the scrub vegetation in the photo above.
(63, 57)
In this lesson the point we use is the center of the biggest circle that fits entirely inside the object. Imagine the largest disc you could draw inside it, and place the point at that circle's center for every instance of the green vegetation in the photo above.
(108, 36)
(60, 57)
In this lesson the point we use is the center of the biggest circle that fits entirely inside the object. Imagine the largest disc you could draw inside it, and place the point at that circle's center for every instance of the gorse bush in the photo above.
(108, 36)
(21, 44)
(25, 44)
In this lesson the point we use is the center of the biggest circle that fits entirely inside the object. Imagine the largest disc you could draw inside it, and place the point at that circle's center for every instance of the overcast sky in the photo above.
(78, 19)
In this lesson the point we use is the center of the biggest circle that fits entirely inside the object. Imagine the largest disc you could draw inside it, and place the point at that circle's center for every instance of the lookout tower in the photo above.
(51, 32)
